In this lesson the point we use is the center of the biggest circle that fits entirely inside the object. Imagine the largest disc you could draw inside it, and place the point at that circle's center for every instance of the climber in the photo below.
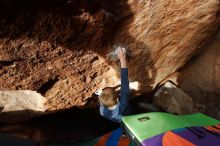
(113, 106)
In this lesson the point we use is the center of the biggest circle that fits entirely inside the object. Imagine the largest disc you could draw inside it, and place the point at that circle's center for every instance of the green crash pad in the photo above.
(147, 125)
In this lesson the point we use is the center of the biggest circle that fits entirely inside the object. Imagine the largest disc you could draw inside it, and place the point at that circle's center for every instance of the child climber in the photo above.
(112, 106)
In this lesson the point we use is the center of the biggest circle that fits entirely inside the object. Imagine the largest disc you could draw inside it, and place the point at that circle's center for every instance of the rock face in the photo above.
(201, 78)
(163, 35)
(61, 48)
(20, 105)
(56, 49)
(174, 100)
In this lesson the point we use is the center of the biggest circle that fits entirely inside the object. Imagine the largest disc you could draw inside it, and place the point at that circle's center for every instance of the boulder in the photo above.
(21, 105)
(164, 35)
(201, 78)
(61, 49)
(174, 100)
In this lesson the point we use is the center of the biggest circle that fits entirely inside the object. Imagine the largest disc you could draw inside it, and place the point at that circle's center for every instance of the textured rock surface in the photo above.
(174, 100)
(164, 35)
(201, 79)
(55, 51)
(59, 49)
(17, 106)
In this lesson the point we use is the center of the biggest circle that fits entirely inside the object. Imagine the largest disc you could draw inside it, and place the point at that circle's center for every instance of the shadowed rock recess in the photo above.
(61, 48)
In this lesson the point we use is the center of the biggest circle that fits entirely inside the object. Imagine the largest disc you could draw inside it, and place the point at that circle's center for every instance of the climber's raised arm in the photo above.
(124, 79)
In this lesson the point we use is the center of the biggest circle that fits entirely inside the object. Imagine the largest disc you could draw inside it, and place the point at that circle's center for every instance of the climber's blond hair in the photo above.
(109, 97)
